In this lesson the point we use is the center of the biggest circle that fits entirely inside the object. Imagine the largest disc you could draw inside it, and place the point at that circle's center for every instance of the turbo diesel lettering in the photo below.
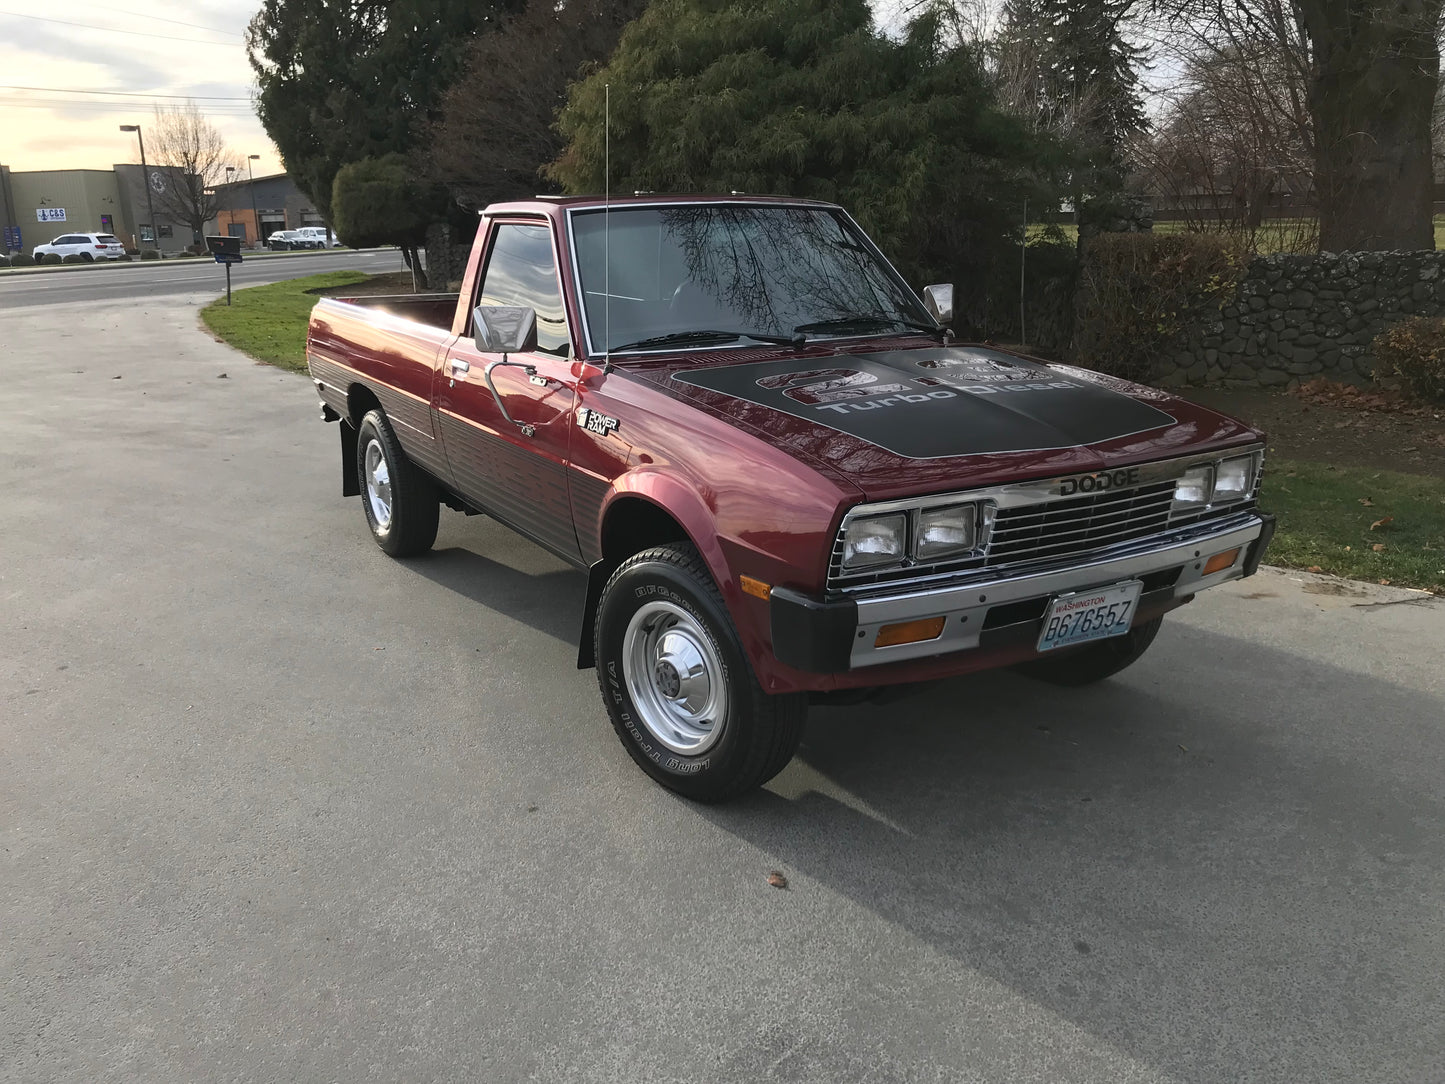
(892, 400)
(1097, 483)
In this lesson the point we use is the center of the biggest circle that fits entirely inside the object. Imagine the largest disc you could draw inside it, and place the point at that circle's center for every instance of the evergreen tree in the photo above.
(805, 98)
(1066, 68)
(342, 82)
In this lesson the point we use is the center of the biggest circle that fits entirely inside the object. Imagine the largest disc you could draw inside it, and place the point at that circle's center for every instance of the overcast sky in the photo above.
(74, 70)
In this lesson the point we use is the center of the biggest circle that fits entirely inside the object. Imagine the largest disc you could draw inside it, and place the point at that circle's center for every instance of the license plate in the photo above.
(1082, 616)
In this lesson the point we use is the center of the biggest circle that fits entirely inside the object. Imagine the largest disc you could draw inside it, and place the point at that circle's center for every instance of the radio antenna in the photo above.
(607, 227)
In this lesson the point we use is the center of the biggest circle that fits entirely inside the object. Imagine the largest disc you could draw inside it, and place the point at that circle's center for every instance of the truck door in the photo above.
(514, 475)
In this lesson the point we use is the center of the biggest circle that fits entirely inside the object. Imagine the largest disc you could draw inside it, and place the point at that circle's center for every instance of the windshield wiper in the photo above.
(852, 323)
(683, 338)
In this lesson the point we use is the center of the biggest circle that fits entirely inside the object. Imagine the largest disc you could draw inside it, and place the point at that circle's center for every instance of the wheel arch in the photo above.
(652, 510)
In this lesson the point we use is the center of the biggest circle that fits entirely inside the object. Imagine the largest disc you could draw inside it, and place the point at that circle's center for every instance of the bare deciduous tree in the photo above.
(1234, 140)
(497, 126)
(1367, 74)
(196, 156)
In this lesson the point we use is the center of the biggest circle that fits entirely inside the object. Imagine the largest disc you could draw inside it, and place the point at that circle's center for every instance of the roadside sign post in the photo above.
(226, 250)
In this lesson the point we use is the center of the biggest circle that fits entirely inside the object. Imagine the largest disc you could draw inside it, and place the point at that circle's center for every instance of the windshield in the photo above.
(721, 274)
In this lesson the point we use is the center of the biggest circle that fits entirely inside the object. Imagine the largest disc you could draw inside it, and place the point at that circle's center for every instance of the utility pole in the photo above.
(146, 181)
(255, 214)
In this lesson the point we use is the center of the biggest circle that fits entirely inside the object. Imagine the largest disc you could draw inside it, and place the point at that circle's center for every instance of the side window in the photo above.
(521, 270)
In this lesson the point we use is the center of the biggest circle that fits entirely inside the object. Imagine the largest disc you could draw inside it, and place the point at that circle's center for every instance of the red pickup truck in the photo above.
(783, 477)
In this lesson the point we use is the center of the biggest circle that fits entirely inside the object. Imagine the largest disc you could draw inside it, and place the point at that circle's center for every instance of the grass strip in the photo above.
(269, 322)
(1326, 517)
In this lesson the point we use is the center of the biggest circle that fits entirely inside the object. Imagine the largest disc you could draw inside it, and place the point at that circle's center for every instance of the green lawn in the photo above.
(1325, 522)
(269, 322)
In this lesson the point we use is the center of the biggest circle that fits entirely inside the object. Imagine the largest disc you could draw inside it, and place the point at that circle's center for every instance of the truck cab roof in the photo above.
(546, 205)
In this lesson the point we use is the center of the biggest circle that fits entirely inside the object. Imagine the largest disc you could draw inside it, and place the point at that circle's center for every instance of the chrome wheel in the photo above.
(675, 678)
(378, 485)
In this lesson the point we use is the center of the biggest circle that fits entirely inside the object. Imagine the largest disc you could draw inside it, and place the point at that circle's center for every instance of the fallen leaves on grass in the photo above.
(1333, 393)
(1314, 568)
(777, 880)
(1378, 547)
(1367, 502)
(1382, 522)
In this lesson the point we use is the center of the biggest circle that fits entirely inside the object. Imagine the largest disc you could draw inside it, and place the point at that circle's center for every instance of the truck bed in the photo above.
(436, 310)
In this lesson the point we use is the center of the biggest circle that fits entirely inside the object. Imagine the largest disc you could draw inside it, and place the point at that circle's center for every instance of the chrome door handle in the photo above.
(460, 365)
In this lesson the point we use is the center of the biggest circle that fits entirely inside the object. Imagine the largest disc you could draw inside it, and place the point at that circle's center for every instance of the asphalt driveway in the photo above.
(275, 807)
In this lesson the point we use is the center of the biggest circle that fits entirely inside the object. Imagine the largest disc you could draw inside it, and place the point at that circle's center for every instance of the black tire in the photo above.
(756, 733)
(87, 257)
(1094, 662)
(413, 504)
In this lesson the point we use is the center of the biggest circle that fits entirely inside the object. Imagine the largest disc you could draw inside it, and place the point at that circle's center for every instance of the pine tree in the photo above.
(804, 97)
(1066, 68)
(342, 82)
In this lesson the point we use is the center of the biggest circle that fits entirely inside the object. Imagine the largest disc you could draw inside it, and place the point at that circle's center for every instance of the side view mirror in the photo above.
(504, 329)
(938, 300)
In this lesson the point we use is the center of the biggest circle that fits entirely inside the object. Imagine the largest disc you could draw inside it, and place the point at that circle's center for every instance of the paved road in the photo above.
(201, 279)
(275, 807)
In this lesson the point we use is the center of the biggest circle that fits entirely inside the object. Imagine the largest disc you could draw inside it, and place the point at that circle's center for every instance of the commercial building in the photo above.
(253, 210)
(44, 204)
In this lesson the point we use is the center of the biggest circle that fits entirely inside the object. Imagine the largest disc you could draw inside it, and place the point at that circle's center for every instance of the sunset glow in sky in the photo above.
(66, 52)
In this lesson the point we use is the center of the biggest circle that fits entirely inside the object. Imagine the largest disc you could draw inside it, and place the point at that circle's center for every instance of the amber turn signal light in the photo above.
(910, 632)
(1220, 561)
(756, 588)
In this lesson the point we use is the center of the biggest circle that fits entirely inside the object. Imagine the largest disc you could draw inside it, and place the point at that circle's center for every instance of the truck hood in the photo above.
(897, 422)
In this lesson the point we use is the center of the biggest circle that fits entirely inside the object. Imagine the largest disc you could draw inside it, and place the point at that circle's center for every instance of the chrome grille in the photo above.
(1048, 532)
(1078, 524)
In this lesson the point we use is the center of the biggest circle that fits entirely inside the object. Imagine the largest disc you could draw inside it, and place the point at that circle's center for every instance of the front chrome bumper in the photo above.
(828, 636)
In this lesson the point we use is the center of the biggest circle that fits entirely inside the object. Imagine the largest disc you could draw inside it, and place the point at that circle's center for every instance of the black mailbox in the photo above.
(224, 246)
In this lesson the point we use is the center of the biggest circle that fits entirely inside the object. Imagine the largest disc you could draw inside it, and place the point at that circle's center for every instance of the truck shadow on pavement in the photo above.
(548, 599)
(1224, 863)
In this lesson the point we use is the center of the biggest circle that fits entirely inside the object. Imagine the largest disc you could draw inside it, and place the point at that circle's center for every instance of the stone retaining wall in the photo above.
(1300, 317)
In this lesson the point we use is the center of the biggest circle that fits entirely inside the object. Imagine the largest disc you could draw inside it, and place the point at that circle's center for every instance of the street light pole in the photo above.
(255, 214)
(145, 180)
(230, 200)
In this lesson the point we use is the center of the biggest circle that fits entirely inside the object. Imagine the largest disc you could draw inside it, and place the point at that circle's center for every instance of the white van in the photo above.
(323, 237)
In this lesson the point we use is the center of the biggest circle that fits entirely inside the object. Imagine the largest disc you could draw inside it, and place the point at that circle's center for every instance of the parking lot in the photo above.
(275, 807)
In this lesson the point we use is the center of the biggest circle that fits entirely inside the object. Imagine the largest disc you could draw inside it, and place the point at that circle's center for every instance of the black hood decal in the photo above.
(934, 403)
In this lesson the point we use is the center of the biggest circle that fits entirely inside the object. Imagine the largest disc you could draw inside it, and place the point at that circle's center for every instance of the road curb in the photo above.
(174, 260)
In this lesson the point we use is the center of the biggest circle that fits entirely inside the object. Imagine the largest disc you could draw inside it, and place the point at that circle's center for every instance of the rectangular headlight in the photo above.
(1234, 480)
(875, 541)
(1194, 489)
(947, 532)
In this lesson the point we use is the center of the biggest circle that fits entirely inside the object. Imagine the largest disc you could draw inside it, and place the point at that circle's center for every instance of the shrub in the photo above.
(73, 258)
(1414, 351)
(50, 257)
(127, 258)
(1139, 291)
(22, 259)
(150, 254)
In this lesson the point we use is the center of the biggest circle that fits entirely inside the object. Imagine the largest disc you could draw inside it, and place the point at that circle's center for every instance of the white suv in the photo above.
(88, 246)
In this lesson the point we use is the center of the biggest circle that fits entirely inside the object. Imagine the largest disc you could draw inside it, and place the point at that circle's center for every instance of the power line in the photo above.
(160, 19)
(114, 30)
(138, 94)
(101, 107)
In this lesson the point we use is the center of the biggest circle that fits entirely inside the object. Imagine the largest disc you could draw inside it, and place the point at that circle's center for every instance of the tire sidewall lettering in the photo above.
(662, 758)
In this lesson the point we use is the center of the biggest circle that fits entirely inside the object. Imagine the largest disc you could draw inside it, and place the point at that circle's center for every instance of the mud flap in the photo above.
(597, 577)
(350, 484)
